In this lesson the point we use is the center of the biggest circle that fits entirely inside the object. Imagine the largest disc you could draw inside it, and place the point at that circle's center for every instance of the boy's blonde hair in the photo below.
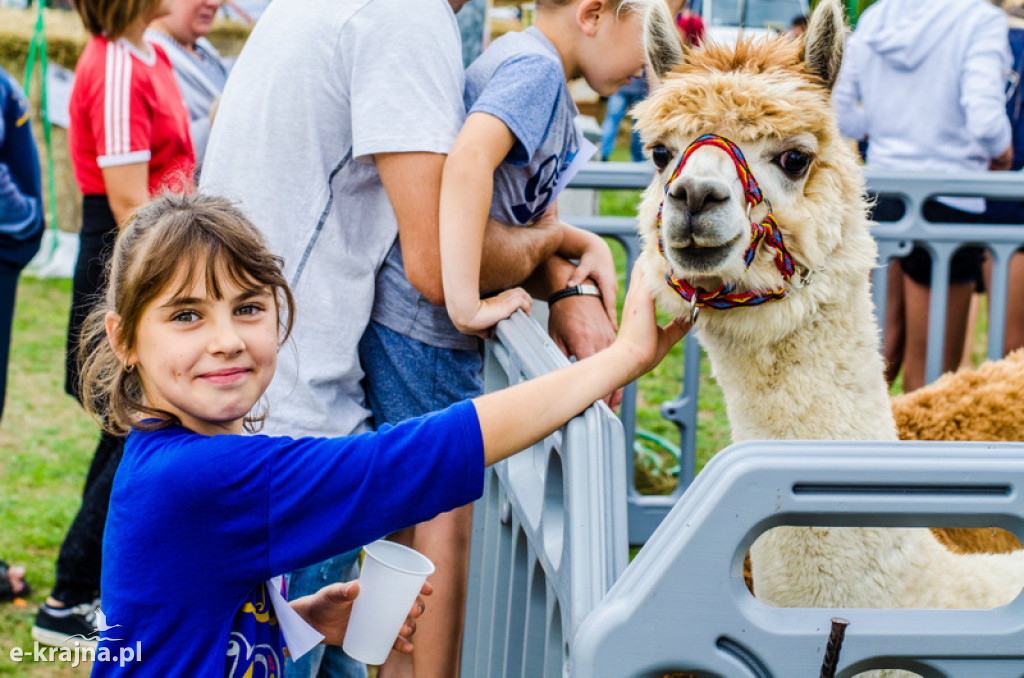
(112, 17)
(202, 235)
(660, 35)
(619, 6)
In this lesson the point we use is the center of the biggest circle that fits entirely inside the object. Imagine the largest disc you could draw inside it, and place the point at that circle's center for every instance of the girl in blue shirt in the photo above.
(201, 516)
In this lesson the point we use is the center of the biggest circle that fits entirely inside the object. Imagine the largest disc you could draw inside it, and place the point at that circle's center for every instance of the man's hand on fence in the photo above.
(579, 326)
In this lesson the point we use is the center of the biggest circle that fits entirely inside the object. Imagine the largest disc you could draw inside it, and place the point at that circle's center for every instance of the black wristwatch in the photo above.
(575, 290)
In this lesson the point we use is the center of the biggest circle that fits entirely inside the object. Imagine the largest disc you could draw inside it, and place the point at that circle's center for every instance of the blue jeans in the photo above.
(406, 378)
(324, 661)
(618, 104)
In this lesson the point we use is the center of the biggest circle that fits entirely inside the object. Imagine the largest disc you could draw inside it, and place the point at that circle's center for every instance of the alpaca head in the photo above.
(765, 104)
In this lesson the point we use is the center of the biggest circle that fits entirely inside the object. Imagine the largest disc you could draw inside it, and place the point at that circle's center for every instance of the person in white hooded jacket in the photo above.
(924, 83)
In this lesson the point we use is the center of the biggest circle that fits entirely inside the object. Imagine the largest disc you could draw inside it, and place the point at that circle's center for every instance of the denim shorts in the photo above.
(406, 378)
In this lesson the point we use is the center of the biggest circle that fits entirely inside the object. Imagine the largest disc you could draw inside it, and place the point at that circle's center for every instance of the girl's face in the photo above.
(614, 53)
(207, 360)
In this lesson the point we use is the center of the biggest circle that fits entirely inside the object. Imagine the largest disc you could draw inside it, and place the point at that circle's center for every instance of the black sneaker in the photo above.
(67, 627)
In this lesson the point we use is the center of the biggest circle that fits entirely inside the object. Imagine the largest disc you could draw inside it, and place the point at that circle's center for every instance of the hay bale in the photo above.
(65, 40)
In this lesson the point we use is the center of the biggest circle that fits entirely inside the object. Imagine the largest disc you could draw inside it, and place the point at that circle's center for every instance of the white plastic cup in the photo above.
(391, 578)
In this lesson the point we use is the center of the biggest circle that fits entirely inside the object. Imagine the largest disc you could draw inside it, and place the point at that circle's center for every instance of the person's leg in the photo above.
(95, 245)
(964, 275)
(888, 209)
(617, 104)
(1014, 337)
(70, 608)
(958, 308)
(80, 558)
(973, 311)
(895, 323)
(324, 661)
(8, 289)
(405, 378)
(78, 564)
(916, 298)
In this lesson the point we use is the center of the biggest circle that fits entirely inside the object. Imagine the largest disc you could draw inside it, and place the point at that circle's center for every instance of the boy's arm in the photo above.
(466, 188)
(413, 185)
(542, 405)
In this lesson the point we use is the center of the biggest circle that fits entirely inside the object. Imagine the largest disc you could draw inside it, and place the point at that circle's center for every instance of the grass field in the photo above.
(46, 443)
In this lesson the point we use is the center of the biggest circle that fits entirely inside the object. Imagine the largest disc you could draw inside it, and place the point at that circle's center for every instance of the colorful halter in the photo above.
(765, 232)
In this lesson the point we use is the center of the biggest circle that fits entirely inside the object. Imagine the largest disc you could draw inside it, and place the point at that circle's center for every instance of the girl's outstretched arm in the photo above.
(516, 417)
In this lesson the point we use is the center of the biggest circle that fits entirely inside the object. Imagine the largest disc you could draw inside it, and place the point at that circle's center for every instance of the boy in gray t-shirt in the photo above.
(520, 138)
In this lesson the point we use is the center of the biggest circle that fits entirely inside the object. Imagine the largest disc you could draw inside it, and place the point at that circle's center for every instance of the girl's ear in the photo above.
(112, 324)
(588, 14)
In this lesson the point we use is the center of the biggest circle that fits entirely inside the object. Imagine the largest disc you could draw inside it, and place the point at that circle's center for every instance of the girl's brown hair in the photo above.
(198, 234)
(112, 17)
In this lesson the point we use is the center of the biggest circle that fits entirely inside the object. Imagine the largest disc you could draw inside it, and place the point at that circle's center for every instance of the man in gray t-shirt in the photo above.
(334, 145)
(414, 358)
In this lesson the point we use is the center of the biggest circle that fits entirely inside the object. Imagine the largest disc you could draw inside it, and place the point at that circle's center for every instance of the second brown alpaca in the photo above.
(982, 405)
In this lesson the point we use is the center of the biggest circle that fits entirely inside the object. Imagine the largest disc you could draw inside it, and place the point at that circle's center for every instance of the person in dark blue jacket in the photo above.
(21, 206)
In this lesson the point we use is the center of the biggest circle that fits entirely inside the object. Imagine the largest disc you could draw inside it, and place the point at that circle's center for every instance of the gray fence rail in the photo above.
(549, 535)
(682, 605)
(551, 595)
(894, 239)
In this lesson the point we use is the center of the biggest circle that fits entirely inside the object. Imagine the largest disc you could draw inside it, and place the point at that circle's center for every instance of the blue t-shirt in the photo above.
(21, 205)
(521, 81)
(197, 524)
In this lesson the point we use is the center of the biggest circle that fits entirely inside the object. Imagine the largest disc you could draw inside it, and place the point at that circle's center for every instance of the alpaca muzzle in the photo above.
(766, 231)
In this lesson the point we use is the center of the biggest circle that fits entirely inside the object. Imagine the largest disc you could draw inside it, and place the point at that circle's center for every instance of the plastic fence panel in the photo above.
(682, 605)
(549, 534)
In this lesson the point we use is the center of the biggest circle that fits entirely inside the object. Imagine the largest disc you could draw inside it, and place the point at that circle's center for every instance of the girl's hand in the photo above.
(644, 343)
(329, 609)
(491, 310)
(597, 263)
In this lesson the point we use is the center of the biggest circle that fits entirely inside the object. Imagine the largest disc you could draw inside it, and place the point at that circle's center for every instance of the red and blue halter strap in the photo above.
(765, 232)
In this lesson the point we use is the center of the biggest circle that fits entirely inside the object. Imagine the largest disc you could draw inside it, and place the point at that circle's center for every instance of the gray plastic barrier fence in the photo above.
(681, 605)
(549, 534)
(895, 239)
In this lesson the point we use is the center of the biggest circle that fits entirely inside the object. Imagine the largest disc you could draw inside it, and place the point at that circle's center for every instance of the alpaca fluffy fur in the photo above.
(980, 405)
(808, 366)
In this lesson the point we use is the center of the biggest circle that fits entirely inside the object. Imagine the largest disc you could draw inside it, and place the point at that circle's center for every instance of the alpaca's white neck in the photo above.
(823, 380)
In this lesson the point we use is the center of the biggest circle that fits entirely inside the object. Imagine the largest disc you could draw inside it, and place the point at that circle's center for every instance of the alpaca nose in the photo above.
(699, 193)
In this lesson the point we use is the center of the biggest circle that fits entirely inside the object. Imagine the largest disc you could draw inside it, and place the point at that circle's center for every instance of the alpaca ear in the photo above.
(662, 42)
(824, 42)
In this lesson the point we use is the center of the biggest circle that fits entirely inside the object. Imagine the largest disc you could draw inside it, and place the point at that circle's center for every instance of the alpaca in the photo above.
(782, 305)
(982, 405)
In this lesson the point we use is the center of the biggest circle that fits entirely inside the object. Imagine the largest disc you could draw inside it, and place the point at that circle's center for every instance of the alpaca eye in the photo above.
(794, 163)
(661, 156)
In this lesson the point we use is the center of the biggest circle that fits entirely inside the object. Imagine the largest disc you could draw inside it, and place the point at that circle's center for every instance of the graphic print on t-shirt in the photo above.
(539, 190)
(256, 648)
